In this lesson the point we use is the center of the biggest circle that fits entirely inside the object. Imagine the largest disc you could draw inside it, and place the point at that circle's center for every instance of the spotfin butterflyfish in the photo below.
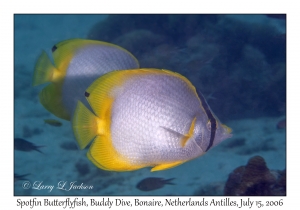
(77, 63)
(145, 118)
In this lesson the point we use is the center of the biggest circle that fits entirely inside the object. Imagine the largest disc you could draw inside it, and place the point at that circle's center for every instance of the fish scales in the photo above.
(86, 65)
(174, 102)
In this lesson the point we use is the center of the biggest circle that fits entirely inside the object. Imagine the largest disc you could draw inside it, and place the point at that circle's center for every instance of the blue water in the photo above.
(238, 62)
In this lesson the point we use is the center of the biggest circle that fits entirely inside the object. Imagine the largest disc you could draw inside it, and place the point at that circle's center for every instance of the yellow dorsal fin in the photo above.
(107, 85)
(50, 98)
(64, 51)
(187, 136)
(167, 166)
(43, 70)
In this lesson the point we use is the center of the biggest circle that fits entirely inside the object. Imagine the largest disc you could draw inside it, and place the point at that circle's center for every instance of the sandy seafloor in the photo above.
(36, 33)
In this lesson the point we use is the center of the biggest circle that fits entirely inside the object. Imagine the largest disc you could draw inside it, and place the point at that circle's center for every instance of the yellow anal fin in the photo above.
(43, 70)
(165, 166)
(51, 100)
(103, 154)
(187, 136)
(84, 124)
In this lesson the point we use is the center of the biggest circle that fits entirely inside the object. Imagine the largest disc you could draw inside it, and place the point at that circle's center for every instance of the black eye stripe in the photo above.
(211, 118)
(54, 48)
(86, 94)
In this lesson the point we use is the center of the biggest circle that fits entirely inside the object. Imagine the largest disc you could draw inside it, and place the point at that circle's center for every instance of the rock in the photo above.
(139, 41)
(255, 179)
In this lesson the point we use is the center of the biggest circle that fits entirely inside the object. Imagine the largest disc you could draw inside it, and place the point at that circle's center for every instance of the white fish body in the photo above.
(145, 118)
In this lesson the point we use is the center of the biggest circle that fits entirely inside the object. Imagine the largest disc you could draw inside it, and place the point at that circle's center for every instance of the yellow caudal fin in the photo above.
(84, 124)
(43, 70)
(103, 154)
(51, 100)
(166, 166)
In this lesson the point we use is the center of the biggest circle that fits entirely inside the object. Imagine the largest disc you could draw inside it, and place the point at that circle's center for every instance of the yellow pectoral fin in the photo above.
(187, 136)
(84, 124)
(50, 98)
(165, 166)
(43, 70)
(103, 154)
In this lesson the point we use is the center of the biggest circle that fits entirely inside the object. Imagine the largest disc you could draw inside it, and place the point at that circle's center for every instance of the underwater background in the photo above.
(238, 62)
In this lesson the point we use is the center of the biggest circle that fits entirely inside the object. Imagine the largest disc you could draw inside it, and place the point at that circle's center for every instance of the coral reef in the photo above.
(241, 63)
(255, 179)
